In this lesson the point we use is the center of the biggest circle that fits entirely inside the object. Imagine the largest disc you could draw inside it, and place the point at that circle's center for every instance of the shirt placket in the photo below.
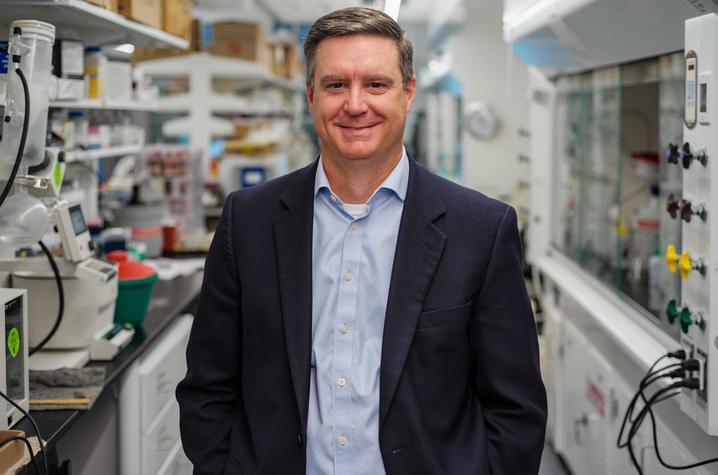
(344, 330)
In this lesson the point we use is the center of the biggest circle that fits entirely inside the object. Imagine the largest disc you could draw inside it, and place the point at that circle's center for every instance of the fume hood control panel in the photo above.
(697, 261)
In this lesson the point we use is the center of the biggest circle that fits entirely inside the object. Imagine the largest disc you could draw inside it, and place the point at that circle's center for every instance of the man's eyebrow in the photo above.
(329, 78)
(380, 78)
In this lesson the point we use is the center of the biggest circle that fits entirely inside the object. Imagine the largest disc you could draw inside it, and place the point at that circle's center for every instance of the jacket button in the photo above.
(299, 439)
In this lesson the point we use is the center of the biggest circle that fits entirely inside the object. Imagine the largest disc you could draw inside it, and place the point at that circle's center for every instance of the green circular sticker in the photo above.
(13, 342)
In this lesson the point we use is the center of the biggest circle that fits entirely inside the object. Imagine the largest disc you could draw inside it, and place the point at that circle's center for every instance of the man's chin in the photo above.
(357, 153)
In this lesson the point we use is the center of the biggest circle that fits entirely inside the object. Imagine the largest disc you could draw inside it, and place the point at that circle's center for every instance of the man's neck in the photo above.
(354, 181)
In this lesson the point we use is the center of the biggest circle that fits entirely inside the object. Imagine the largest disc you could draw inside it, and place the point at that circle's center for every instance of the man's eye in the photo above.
(334, 85)
(376, 85)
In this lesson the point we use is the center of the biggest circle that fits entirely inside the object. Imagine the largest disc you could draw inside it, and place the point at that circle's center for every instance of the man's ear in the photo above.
(410, 92)
(310, 93)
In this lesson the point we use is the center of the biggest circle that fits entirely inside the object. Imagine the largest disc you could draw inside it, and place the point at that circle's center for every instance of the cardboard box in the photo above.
(64, 89)
(13, 452)
(177, 18)
(284, 60)
(195, 43)
(118, 86)
(68, 59)
(148, 12)
(148, 54)
(109, 4)
(238, 40)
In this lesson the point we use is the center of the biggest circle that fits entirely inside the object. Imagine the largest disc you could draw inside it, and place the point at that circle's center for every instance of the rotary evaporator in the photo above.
(58, 313)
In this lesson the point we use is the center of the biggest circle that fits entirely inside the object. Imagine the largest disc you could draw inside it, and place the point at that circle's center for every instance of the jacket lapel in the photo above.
(293, 240)
(419, 247)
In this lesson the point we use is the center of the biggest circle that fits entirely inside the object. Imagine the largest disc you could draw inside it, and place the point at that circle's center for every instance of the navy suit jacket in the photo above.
(460, 387)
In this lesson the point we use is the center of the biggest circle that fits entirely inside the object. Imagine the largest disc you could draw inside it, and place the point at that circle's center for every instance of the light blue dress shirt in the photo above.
(352, 259)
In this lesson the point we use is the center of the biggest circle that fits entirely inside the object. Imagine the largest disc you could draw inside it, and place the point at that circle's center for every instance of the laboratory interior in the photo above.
(126, 124)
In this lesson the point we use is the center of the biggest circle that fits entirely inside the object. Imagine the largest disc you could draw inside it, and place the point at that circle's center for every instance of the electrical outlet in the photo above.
(702, 376)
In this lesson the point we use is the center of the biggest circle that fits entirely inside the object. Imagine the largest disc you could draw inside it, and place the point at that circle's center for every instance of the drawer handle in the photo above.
(165, 385)
(166, 442)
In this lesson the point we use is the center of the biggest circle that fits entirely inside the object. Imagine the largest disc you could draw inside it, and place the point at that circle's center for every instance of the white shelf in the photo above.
(77, 19)
(254, 159)
(201, 104)
(219, 104)
(216, 66)
(98, 104)
(183, 126)
(119, 151)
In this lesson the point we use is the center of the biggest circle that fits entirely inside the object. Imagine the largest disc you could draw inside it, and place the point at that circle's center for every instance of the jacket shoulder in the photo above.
(265, 196)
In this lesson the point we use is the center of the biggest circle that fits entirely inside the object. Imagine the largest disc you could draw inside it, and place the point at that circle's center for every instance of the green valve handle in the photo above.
(672, 311)
(685, 319)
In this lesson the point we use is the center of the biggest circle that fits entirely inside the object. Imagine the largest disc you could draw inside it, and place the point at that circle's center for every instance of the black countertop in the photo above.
(170, 299)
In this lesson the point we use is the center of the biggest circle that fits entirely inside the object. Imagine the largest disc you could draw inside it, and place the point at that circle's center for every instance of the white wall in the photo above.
(489, 72)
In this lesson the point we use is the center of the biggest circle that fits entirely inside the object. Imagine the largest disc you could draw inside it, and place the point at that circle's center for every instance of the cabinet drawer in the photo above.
(161, 371)
(177, 463)
(160, 440)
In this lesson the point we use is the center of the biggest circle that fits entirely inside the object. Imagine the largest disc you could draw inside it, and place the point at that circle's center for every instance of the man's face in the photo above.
(359, 103)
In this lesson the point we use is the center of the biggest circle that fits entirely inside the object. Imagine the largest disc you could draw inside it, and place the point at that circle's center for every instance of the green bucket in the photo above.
(133, 300)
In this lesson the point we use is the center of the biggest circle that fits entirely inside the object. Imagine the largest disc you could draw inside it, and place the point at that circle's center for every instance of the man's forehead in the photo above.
(369, 54)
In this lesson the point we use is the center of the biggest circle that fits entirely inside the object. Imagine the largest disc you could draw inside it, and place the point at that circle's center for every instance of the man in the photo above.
(361, 315)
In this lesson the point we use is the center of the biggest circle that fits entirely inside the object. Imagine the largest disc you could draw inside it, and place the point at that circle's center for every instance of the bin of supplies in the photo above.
(136, 282)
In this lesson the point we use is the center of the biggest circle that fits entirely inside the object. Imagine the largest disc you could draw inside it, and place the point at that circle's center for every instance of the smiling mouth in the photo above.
(354, 127)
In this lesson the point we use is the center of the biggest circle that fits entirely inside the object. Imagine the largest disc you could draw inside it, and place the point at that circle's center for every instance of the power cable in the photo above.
(61, 298)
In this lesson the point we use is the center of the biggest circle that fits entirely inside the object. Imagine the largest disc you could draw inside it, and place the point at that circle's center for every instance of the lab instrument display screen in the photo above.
(78, 220)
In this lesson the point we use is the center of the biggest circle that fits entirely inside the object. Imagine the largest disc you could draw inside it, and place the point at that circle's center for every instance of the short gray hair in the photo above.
(359, 21)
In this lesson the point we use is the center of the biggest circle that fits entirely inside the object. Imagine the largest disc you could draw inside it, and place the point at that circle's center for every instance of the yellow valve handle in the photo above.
(672, 258)
(685, 265)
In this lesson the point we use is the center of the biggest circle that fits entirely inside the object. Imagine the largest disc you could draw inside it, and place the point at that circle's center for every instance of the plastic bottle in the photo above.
(81, 126)
(95, 72)
(655, 292)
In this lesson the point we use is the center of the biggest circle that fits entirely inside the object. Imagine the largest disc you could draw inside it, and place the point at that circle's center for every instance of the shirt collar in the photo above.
(397, 181)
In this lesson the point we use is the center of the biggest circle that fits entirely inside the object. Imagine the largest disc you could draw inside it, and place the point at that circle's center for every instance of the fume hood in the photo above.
(574, 35)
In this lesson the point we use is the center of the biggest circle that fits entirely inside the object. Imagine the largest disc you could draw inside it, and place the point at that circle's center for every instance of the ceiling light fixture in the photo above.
(126, 48)
(391, 8)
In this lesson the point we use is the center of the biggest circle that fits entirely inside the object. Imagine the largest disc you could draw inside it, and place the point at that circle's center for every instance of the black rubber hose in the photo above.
(23, 138)
(60, 295)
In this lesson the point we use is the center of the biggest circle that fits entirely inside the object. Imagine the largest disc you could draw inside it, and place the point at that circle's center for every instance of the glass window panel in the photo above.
(600, 227)
(613, 181)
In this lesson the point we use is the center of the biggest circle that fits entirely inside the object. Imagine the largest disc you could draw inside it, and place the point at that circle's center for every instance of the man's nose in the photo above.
(355, 103)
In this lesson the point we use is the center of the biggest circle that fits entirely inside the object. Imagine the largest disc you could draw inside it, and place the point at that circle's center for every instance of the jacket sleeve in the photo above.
(505, 349)
(209, 396)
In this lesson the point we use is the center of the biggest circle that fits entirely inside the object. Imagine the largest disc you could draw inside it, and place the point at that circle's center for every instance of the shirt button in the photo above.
(341, 382)
(355, 225)
(342, 440)
(344, 328)
(348, 276)
(332, 197)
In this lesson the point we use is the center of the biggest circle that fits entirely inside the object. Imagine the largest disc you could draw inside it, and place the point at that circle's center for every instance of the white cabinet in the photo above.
(160, 439)
(586, 404)
(149, 413)
(177, 463)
